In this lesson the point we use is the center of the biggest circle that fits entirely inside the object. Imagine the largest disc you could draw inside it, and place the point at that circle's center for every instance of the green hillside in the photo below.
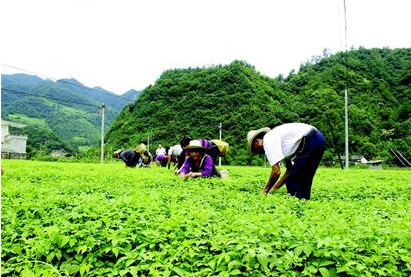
(60, 115)
(379, 90)
(193, 101)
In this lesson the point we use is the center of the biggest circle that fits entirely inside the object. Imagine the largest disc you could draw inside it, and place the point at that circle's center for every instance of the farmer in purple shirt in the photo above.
(209, 148)
(197, 163)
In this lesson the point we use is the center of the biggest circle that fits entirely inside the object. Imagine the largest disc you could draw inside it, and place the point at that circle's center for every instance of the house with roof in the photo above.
(13, 146)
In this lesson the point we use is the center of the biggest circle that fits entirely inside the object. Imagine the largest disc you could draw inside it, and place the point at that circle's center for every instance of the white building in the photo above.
(12, 146)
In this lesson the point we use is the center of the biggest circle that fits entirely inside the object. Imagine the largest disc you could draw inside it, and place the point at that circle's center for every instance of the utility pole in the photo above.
(347, 163)
(221, 128)
(148, 142)
(102, 134)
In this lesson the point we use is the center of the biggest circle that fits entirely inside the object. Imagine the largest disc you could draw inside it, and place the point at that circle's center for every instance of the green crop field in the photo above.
(74, 219)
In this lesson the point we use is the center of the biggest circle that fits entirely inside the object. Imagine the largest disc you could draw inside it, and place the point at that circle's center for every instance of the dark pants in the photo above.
(130, 158)
(181, 159)
(305, 164)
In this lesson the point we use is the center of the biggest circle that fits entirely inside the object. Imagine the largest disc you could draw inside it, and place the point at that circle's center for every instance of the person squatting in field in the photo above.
(145, 156)
(197, 163)
(209, 148)
(161, 155)
(300, 146)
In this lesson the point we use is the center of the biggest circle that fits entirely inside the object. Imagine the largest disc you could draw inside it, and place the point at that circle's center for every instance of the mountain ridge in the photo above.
(68, 110)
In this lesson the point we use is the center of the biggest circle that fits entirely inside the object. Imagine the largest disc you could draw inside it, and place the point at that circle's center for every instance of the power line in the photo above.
(60, 100)
(66, 82)
(49, 97)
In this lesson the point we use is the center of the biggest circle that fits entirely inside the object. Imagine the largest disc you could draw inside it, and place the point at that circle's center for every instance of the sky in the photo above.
(126, 44)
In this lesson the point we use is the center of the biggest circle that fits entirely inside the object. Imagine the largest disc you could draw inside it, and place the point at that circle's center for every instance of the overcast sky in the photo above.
(127, 44)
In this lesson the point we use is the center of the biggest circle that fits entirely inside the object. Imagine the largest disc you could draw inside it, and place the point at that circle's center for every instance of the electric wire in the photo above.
(66, 82)
(49, 97)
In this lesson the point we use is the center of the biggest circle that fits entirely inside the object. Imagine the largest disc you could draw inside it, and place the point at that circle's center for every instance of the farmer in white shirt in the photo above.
(300, 146)
(173, 153)
(160, 154)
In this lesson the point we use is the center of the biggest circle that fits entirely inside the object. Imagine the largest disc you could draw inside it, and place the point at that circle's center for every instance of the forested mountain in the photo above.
(194, 101)
(378, 83)
(131, 94)
(60, 115)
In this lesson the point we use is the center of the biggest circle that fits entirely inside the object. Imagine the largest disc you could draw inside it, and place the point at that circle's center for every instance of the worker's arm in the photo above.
(194, 174)
(274, 175)
(272, 181)
(280, 183)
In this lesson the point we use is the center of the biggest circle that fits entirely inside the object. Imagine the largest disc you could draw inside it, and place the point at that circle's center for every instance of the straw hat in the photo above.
(141, 148)
(194, 144)
(252, 135)
(115, 153)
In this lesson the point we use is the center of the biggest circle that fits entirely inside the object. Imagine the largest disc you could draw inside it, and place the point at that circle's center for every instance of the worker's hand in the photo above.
(266, 189)
(269, 189)
(192, 174)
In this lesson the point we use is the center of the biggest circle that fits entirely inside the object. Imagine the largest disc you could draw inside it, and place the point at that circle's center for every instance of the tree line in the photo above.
(194, 101)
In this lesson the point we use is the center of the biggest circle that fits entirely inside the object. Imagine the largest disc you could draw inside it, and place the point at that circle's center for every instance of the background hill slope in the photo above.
(193, 101)
(60, 115)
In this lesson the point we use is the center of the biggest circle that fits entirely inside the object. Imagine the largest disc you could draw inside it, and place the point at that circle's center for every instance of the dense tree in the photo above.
(193, 101)
(377, 81)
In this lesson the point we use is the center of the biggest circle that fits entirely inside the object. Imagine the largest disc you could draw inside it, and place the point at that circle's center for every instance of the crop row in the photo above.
(61, 219)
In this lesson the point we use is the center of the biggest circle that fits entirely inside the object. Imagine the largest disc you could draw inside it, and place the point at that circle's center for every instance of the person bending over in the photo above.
(300, 146)
(130, 157)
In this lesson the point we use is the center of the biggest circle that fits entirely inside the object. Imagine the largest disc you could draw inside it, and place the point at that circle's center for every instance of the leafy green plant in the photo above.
(77, 219)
